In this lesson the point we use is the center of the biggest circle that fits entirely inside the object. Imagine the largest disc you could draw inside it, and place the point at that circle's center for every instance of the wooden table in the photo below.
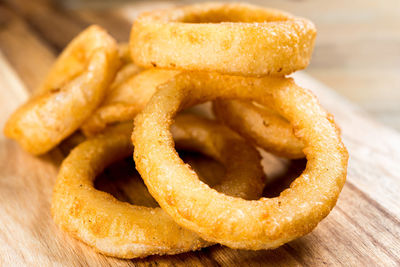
(363, 229)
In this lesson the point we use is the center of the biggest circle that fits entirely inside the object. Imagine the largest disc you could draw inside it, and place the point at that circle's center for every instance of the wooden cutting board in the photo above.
(363, 229)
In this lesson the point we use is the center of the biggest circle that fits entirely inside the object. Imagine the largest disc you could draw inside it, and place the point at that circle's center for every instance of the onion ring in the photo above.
(126, 99)
(237, 39)
(238, 223)
(119, 229)
(261, 125)
(73, 89)
(114, 107)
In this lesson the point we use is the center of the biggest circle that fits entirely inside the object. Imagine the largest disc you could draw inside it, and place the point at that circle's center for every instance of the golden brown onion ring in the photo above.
(114, 108)
(126, 98)
(119, 229)
(128, 95)
(73, 89)
(235, 222)
(233, 38)
(260, 124)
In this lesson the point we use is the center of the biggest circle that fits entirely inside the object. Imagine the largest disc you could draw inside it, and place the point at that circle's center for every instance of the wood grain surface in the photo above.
(363, 229)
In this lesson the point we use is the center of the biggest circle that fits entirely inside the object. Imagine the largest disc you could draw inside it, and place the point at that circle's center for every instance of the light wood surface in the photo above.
(363, 229)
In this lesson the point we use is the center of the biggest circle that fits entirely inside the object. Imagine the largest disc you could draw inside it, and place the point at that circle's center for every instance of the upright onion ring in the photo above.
(261, 125)
(238, 223)
(238, 39)
(119, 229)
(73, 89)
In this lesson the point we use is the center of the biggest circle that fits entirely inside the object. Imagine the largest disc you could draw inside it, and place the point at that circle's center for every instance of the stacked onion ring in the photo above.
(119, 229)
(212, 42)
(235, 55)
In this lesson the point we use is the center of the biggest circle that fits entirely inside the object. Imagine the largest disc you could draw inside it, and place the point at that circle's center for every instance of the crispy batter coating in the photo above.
(128, 95)
(131, 91)
(124, 53)
(262, 224)
(120, 229)
(261, 125)
(73, 89)
(231, 38)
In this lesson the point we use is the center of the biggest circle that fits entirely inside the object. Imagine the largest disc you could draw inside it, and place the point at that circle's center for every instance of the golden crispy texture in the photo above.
(119, 229)
(73, 89)
(261, 125)
(115, 106)
(232, 38)
(129, 94)
(235, 222)
(124, 53)
(126, 98)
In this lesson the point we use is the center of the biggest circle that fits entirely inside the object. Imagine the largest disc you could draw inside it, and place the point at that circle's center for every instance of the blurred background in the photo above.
(357, 51)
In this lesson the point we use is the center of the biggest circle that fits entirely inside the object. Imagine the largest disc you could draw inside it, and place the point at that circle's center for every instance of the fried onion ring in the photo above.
(119, 229)
(237, 39)
(73, 89)
(261, 125)
(238, 223)
(126, 99)
(114, 108)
